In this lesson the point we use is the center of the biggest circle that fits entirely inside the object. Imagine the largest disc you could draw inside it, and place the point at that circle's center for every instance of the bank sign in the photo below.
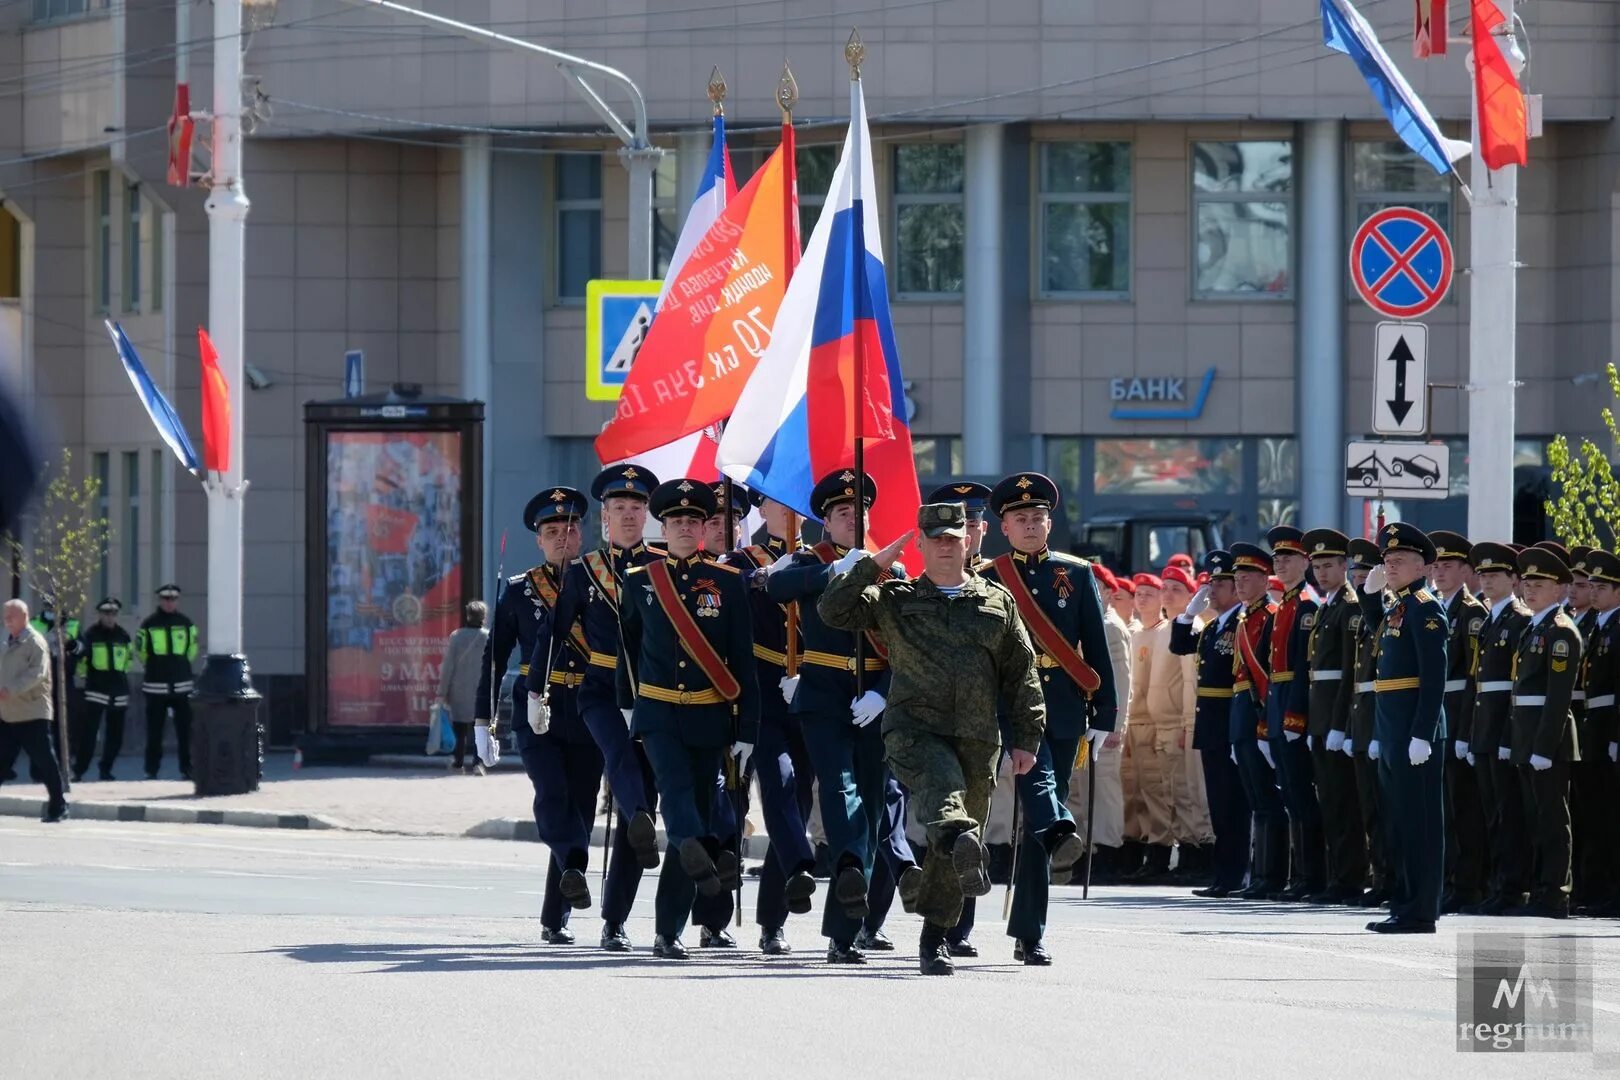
(1167, 398)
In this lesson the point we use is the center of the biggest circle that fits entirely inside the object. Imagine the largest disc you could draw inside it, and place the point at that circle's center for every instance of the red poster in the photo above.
(394, 578)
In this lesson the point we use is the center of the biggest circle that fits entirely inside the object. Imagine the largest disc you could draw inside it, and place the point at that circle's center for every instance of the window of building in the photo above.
(937, 456)
(132, 523)
(101, 242)
(1387, 174)
(101, 469)
(930, 222)
(154, 226)
(1085, 219)
(579, 223)
(815, 165)
(132, 246)
(667, 213)
(45, 10)
(10, 256)
(1168, 467)
(1242, 219)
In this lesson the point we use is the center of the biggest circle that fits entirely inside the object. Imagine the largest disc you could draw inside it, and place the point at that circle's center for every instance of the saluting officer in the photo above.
(1056, 596)
(590, 597)
(1411, 719)
(1361, 741)
(1251, 688)
(1467, 854)
(104, 652)
(167, 646)
(1215, 645)
(1599, 852)
(689, 639)
(1332, 688)
(562, 760)
(1287, 712)
(1543, 728)
(1487, 733)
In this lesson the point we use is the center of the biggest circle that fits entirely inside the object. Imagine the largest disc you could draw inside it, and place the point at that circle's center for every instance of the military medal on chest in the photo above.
(1062, 585)
(707, 596)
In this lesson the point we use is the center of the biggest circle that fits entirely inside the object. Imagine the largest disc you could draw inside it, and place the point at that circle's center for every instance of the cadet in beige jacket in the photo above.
(1108, 832)
(1189, 825)
(25, 705)
(1163, 694)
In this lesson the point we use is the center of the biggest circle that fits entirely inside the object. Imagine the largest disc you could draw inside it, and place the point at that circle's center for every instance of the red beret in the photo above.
(1181, 559)
(1174, 572)
(1105, 577)
(1276, 584)
(1125, 583)
(1147, 581)
(1203, 578)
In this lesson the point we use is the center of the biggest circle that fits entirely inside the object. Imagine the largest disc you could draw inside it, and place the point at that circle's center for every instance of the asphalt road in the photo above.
(137, 950)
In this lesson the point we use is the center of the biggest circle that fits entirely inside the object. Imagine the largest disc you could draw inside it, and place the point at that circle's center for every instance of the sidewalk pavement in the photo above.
(400, 795)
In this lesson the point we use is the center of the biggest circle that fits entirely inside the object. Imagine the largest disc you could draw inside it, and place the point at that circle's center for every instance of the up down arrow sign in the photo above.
(1400, 387)
(1402, 358)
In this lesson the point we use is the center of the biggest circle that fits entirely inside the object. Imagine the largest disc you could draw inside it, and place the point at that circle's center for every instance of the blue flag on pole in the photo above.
(1344, 29)
(164, 418)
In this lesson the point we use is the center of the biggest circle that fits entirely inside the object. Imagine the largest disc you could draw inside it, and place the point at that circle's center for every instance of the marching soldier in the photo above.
(104, 652)
(563, 762)
(1287, 708)
(689, 639)
(1332, 688)
(1411, 719)
(1542, 728)
(1056, 597)
(1487, 734)
(959, 649)
(167, 646)
(1600, 847)
(837, 706)
(1215, 645)
(590, 597)
(1467, 857)
(1251, 688)
(1361, 740)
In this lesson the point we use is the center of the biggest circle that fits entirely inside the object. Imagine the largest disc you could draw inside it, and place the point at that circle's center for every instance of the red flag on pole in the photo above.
(216, 408)
(1503, 124)
(181, 127)
(1429, 29)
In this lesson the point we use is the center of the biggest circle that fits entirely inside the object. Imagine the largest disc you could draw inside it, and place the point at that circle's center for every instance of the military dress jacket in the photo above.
(671, 692)
(557, 661)
(1601, 663)
(1364, 707)
(518, 614)
(1065, 588)
(1466, 616)
(827, 679)
(1325, 696)
(1213, 643)
(1289, 701)
(770, 620)
(955, 660)
(1547, 664)
(1251, 671)
(1585, 625)
(1411, 682)
(1487, 728)
(590, 597)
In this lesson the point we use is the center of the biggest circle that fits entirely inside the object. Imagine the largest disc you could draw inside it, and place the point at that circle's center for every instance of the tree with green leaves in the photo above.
(66, 540)
(1585, 506)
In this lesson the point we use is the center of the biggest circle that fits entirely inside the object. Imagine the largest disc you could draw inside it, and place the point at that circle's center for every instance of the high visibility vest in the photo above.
(105, 656)
(176, 642)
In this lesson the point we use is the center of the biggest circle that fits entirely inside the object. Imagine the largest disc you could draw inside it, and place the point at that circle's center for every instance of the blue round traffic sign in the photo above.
(1401, 263)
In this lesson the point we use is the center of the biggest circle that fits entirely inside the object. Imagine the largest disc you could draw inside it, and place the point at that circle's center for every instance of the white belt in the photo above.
(1579, 695)
(1529, 700)
(1366, 687)
(1454, 685)
(1326, 676)
(1503, 686)
(1600, 701)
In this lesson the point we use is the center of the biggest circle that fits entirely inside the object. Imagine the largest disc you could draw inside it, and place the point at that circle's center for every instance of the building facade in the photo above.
(1116, 238)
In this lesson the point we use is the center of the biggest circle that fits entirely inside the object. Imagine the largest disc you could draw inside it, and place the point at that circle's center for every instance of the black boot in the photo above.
(1258, 886)
(933, 954)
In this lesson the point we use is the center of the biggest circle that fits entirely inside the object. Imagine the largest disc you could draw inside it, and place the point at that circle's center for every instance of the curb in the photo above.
(524, 829)
(16, 806)
(510, 762)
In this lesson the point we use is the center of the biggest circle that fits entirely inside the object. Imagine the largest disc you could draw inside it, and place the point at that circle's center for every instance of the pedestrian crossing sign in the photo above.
(617, 317)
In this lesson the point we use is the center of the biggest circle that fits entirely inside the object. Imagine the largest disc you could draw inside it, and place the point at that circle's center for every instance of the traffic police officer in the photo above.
(1056, 596)
(1542, 728)
(563, 762)
(689, 639)
(167, 646)
(104, 652)
(1411, 720)
(1361, 741)
(1467, 870)
(1251, 687)
(1287, 708)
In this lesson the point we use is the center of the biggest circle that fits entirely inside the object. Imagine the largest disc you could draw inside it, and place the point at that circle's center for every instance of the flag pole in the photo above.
(787, 96)
(854, 53)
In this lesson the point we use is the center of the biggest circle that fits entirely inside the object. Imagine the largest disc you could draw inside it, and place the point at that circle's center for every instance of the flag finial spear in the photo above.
(787, 91)
(717, 91)
(854, 53)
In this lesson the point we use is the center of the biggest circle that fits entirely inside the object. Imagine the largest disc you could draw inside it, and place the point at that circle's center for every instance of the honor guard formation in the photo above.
(1411, 722)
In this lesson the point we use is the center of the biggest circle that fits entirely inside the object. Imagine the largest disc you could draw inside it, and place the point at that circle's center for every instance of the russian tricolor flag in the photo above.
(833, 342)
(716, 188)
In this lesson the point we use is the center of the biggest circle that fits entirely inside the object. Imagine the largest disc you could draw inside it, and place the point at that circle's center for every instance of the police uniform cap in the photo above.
(1246, 556)
(974, 496)
(1450, 545)
(1285, 540)
(553, 504)
(1363, 553)
(1603, 566)
(1487, 555)
(840, 487)
(942, 519)
(168, 592)
(1023, 491)
(1218, 563)
(1325, 543)
(740, 498)
(1542, 563)
(1578, 560)
(111, 605)
(1404, 536)
(683, 496)
(632, 480)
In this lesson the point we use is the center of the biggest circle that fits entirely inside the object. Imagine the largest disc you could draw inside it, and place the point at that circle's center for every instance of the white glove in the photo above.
(1376, 580)
(1418, 751)
(778, 564)
(1470, 757)
(1462, 750)
(1539, 763)
(1503, 753)
(1234, 755)
(742, 751)
(1198, 604)
(1372, 750)
(1291, 736)
(1097, 735)
(1310, 742)
(790, 686)
(489, 748)
(866, 708)
(1614, 752)
(1265, 752)
(539, 715)
(847, 563)
(1337, 741)
(1349, 746)
(629, 715)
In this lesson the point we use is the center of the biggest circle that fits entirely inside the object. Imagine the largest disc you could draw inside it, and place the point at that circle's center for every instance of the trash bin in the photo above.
(227, 737)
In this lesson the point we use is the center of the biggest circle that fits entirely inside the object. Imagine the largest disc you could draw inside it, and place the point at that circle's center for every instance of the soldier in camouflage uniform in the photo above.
(956, 645)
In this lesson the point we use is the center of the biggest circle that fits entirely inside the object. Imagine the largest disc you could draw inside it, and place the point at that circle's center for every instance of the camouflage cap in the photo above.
(942, 519)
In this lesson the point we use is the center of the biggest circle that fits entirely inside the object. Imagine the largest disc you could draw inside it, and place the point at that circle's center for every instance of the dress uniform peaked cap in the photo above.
(633, 480)
(1450, 545)
(741, 498)
(1286, 540)
(1363, 553)
(1022, 491)
(1488, 556)
(1326, 542)
(683, 496)
(839, 487)
(1579, 557)
(1557, 549)
(1540, 563)
(554, 504)
(974, 496)
(1246, 556)
(1603, 566)
(1404, 536)
(1219, 564)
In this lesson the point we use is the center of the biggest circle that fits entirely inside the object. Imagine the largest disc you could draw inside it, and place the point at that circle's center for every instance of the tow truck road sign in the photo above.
(1398, 470)
(1401, 379)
